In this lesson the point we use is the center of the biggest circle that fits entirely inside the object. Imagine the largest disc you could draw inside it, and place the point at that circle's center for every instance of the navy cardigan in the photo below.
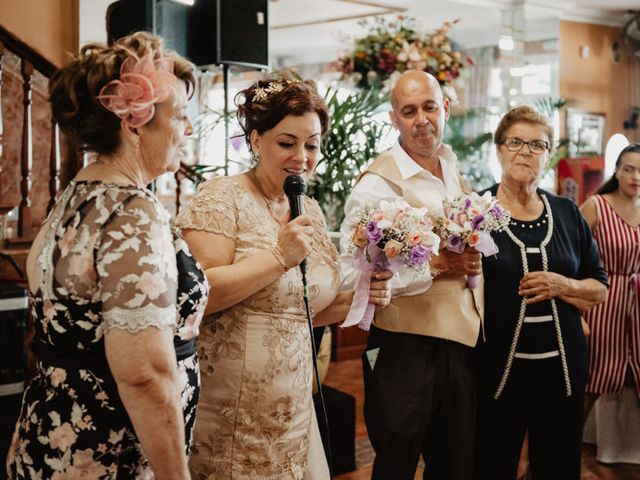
(572, 252)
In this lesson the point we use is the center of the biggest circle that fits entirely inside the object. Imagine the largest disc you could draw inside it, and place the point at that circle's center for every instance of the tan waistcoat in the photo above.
(448, 309)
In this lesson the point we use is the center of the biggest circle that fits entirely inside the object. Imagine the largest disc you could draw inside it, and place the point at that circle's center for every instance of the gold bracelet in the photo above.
(278, 256)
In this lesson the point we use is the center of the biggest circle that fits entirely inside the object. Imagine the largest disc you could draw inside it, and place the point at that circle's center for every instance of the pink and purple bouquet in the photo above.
(469, 220)
(393, 236)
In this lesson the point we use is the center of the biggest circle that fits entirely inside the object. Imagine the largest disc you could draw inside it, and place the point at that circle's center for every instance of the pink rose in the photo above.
(62, 437)
(191, 327)
(414, 238)
(360, 237)
(392, 248)
(474, 238)
(58, 376)
(151, 284)
(85, 466)
(102, 395)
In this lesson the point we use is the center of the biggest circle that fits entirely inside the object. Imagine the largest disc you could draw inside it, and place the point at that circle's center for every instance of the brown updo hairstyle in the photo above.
(297, 98)
(73, 89)
(523, 114)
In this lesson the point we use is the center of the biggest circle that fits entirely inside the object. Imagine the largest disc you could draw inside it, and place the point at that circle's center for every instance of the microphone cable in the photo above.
(294, 188)
(314, 353)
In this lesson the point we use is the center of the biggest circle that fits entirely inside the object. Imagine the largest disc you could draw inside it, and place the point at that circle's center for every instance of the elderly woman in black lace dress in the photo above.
(115, 295)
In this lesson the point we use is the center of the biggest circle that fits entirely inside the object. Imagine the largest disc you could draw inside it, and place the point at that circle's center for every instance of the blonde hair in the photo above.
(73, 88)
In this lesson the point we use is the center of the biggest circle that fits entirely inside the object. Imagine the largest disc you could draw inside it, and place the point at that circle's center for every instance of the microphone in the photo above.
(294, 188)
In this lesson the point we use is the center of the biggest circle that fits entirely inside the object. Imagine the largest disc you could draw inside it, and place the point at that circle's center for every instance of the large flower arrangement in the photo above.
(399, 45)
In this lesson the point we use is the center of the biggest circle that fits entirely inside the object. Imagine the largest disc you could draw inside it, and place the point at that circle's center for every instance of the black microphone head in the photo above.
(294, 185)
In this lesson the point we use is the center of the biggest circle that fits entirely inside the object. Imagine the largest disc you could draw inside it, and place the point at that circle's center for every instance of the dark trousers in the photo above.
(534, 399)
(420, 398)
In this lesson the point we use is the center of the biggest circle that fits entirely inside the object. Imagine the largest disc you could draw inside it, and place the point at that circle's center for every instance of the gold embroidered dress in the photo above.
(255, 417)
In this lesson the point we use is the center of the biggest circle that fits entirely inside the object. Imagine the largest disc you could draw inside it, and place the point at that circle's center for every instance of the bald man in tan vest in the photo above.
(418, 366)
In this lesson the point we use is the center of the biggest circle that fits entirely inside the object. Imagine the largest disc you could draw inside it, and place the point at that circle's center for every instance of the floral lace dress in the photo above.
(108, 260)
(256, 418)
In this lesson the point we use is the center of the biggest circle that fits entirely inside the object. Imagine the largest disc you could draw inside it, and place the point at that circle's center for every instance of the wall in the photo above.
(49, 26)
(596, 83)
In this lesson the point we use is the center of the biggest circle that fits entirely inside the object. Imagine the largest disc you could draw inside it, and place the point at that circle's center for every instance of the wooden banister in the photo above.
(26, 156)
(24, 51)
(54, 165)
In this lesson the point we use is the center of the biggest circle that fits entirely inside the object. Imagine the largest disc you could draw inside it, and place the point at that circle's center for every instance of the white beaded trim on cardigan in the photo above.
(523, 305)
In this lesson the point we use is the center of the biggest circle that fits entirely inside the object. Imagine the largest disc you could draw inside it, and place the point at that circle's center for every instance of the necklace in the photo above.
(523, 304)
(529, 224)
(264, 196)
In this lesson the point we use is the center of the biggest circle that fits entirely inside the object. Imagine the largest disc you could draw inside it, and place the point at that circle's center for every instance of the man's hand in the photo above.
(469, 262)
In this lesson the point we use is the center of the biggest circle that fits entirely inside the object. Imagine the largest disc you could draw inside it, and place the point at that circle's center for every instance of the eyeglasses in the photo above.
(514, 144)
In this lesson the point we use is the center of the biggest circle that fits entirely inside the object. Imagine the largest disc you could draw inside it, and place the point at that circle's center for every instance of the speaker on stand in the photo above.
(209, 32)
(221, 33)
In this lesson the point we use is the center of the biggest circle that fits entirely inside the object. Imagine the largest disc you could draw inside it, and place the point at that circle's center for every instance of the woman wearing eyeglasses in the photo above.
(533, 362)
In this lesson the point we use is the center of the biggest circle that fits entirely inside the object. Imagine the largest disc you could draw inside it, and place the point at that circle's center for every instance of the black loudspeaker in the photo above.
(210, 32)
(341, 413)
(231, 32)
(166, 18)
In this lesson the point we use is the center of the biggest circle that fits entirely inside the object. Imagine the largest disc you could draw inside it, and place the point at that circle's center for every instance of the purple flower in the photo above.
(374, 234)
(496, 211)
(419, 254)
(467, 203)
(477, 221)
(455, 244)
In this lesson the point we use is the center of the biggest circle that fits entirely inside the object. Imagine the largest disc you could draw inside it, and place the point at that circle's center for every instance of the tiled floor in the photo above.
(347, 376)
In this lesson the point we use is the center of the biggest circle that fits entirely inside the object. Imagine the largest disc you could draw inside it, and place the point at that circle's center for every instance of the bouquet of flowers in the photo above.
(393, 236)
(468, 221)
(396, 46)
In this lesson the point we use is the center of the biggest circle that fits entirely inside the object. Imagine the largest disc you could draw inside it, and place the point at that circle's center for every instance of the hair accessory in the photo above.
(143, 82)
(260, 94)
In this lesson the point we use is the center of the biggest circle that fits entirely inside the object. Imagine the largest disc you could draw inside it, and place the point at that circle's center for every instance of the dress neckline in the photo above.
(617, 214)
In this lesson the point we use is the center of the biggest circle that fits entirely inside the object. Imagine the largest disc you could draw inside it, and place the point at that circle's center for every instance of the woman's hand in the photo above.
(295, 240)
(380, 288)
(582, 294)
(540, 286)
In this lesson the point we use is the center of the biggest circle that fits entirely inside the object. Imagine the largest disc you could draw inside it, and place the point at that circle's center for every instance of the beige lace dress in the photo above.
(256, 417)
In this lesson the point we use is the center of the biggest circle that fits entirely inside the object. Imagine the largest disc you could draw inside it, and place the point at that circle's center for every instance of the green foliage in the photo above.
(353, 140)
(472, 164)
(549, 106)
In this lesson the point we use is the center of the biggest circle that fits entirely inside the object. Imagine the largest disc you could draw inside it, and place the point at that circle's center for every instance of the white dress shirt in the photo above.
(372, 189)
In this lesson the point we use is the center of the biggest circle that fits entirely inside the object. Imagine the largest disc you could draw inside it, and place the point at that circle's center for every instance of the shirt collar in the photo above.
(408, 167)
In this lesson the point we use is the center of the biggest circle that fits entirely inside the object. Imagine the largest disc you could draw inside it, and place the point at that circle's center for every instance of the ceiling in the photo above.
(303, 31)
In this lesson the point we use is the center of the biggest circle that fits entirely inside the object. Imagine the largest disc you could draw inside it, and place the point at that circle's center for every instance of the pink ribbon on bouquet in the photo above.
(361, 311)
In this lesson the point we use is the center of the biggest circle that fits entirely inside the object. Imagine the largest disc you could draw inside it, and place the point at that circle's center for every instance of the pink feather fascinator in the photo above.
(143, 82)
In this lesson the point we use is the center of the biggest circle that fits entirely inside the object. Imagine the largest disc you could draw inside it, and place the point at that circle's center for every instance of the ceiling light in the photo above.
(185, 2)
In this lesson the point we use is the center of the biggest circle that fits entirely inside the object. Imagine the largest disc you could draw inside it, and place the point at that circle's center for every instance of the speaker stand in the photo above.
(225, 77)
